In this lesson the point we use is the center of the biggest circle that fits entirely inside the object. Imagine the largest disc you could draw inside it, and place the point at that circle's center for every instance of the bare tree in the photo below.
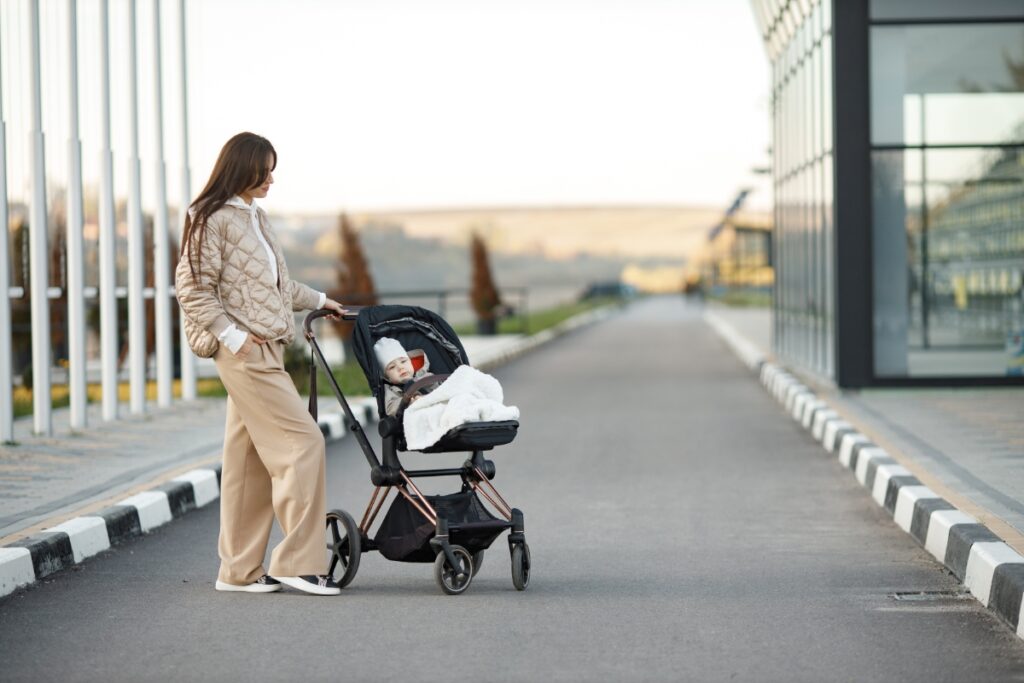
(355, 283)
(483, 294)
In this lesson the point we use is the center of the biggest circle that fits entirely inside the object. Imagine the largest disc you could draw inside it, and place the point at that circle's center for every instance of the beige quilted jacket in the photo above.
(235, 284)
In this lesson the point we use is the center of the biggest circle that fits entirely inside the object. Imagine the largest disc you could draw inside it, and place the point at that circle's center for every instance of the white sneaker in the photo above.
(264, 584)
(314, 585)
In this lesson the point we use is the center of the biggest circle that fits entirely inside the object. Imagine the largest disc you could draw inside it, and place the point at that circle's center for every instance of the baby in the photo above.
(467, 395)
(398, 370)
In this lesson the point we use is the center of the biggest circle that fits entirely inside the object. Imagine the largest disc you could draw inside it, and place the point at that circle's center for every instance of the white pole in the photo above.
(161, 257)
(76, 278)
(38, 254)
(136, 239)
(108, 237)
(188, 363)
(6, 367)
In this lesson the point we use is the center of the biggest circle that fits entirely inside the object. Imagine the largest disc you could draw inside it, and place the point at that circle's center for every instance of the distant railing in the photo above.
(516, 300)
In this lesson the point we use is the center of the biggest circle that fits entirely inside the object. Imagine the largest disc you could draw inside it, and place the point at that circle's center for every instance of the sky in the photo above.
(449, 103)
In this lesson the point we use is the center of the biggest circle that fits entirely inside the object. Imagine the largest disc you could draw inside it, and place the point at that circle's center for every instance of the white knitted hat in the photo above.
(387, 349)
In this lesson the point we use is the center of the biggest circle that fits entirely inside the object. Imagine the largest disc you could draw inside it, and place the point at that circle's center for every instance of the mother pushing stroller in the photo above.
(238, 302)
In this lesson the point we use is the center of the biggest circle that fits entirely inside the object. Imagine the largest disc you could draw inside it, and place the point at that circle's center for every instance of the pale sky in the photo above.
(398, 104)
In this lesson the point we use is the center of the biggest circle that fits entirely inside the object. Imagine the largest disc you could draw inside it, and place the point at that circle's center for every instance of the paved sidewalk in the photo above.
(45, 477)
(967, 444)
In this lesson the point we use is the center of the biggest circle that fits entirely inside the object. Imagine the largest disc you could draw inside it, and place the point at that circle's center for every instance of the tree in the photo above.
(355, 283)
(21, 313)
(58, 278)
(483, 294)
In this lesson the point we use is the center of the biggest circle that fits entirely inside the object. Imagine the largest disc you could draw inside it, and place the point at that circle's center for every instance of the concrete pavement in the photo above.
(679, 530)
(947, 504)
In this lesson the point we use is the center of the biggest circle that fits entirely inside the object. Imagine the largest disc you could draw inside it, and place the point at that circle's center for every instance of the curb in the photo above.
(990, 569)
(69, 543)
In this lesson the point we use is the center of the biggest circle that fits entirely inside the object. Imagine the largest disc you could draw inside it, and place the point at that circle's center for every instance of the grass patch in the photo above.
(542, 320)
(743, 298)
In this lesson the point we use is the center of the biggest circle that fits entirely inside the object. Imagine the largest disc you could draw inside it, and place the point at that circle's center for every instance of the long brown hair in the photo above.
(244, 162)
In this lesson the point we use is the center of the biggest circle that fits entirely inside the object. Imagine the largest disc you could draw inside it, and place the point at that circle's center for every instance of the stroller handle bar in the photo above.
(353, 312)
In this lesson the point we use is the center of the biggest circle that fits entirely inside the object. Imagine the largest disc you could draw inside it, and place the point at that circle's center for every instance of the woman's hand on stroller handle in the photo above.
(337, 311)
(346, 313)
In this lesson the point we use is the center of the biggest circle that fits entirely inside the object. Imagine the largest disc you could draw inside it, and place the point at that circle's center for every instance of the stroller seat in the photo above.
(471, 436)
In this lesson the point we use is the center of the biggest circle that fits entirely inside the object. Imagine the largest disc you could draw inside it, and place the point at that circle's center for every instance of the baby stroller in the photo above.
(453, 530)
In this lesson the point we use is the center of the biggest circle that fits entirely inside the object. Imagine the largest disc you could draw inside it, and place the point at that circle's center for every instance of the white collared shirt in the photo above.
(231, 335)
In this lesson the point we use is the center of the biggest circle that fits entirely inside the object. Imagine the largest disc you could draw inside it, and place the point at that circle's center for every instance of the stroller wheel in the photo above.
(343, 540)
(478, 561)
(521, 566)
(454, 581)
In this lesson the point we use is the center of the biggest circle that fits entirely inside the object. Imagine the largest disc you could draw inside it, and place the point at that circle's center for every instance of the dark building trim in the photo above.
(852, 191)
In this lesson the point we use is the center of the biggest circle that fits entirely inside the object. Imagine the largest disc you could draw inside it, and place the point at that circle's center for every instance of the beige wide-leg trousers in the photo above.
(273, 465)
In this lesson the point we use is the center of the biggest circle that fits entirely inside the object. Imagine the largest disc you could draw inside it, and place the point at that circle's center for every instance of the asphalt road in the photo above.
(681, 527)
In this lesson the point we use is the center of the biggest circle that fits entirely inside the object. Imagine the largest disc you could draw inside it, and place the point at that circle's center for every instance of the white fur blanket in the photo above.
(468, 395)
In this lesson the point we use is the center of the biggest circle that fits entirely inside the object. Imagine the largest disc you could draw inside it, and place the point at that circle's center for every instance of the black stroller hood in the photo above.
(414, 328)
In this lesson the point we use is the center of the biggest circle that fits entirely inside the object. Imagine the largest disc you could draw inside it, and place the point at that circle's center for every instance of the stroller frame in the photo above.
(454, 568)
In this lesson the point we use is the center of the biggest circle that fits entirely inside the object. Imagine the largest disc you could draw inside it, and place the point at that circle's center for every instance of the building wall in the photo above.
(898, 140)
(799, 40)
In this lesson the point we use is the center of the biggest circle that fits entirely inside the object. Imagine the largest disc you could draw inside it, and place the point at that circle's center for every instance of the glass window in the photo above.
(826, 101)
(947, 84)
(948, 260)
(945, 9)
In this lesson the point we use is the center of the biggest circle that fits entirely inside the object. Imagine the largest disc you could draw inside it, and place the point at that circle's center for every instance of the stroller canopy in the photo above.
(414, 328)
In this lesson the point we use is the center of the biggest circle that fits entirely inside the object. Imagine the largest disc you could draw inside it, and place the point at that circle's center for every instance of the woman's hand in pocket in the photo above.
(251, 342)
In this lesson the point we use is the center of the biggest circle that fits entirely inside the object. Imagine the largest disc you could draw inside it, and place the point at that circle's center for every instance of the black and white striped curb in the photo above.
(989, 568)
(64, 545)
(334, 424)
(67, 544)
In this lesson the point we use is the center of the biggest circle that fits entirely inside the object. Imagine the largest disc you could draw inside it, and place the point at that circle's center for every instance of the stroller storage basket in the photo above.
(404, 534)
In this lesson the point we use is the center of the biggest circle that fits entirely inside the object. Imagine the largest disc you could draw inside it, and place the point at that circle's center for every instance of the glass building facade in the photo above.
(898, 164)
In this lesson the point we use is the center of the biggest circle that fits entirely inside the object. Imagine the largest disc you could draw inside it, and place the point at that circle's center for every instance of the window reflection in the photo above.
(949, 260)
(945, 9)
(947, 84)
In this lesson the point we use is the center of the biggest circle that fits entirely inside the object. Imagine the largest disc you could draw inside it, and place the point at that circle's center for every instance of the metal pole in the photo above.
(108, 238)
(161, 257)
(188, 363)
(40, 304)
(76, 278)
(6, 367)
(136, 239)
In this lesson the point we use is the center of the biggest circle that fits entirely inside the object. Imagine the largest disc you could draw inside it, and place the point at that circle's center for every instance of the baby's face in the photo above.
(399, 370)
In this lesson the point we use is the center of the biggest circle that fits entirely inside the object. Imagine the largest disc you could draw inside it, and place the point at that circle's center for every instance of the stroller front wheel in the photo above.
(454, 580)
(344, 543)
(521, 566)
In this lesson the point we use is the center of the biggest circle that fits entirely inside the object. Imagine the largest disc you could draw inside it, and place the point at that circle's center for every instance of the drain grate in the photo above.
(928, 596)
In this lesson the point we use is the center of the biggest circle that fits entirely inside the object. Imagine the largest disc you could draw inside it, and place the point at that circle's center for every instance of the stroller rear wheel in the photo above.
(451, 579)
(521, 566)
(344, 542)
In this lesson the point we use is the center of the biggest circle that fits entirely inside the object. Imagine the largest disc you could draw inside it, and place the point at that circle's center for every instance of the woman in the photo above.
(237, 299)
